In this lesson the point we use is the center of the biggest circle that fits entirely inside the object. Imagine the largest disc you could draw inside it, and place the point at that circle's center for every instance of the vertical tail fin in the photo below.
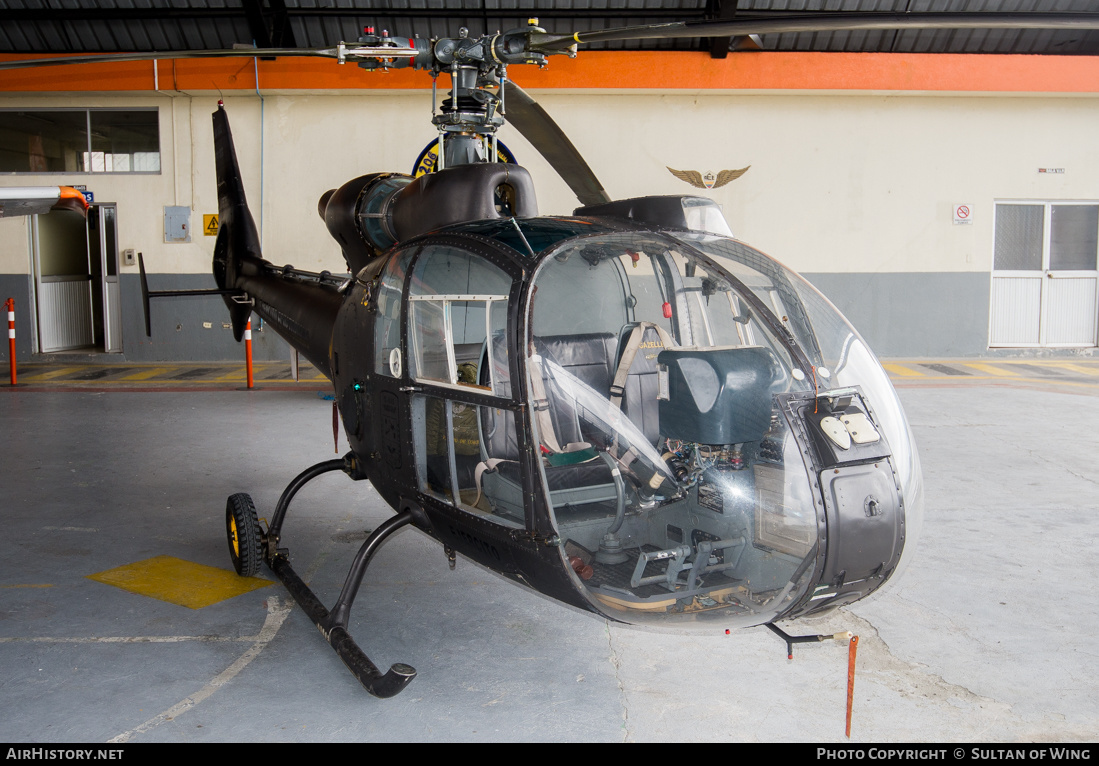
(237, 246)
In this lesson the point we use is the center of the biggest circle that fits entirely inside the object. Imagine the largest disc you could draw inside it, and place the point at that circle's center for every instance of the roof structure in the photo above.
(92, 26)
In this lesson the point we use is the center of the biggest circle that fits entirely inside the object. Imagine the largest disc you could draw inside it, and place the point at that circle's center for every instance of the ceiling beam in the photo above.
(161, 13)
(720, 10)
(269, 23)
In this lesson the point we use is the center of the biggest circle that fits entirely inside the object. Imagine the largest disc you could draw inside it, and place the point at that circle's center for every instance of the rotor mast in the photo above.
(467, 120)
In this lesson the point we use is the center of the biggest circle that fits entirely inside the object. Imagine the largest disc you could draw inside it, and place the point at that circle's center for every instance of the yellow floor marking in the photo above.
(176, 581)
(961, 378)
(991, 369)
(1005, 380)
(146, 374)
(902, 371)
(1051, 382)
(53, 373)
(45, 585)
(1085, 369)
(1029, 361)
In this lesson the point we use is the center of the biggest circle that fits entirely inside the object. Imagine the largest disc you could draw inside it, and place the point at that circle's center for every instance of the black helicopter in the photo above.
(625, 409)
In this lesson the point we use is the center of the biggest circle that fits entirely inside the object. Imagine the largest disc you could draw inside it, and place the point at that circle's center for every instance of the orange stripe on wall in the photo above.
(603, 69)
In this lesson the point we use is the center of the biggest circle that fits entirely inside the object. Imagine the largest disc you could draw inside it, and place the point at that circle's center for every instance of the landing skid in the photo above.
(245, 535)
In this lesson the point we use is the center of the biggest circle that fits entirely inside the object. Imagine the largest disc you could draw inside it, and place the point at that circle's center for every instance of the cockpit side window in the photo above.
(387, 324)
(457, 347)
(457, 320)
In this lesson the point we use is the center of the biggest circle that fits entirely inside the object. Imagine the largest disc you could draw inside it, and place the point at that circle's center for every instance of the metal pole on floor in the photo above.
(248, 351)
(10, 305)
(851, 650)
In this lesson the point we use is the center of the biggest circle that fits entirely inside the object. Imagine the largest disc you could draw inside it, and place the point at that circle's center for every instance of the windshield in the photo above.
(842, 357)
(666, 462)
(703, 418)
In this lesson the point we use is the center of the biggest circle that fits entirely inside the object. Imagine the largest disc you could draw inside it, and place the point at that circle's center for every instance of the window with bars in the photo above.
(79, 141)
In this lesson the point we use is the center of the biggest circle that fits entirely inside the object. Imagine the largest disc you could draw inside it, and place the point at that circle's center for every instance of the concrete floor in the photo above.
(989, 636)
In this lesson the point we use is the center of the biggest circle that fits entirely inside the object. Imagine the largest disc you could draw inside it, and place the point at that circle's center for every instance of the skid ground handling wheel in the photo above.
(243, 530)
(249, 546)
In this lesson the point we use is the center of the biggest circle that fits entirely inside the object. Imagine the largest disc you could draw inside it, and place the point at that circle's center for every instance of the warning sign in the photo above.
(963, 214)
(210, 225)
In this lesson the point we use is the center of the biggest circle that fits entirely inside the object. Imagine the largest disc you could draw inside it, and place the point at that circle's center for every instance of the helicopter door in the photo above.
(457, 352)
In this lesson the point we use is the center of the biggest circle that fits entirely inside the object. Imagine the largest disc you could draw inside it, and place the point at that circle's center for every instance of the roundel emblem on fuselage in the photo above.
(428, 160)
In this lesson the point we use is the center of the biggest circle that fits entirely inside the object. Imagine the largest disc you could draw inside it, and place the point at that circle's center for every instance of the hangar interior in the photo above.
(939, 186)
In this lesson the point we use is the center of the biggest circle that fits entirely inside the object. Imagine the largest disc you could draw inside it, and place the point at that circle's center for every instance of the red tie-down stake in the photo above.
(852, 649)
(9, 304)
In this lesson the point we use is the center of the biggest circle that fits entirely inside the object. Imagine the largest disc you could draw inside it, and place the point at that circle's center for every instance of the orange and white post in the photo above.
(247, 350)
(9, 304)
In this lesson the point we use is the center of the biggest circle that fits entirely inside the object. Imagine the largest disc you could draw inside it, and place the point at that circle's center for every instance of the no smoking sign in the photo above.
(963, 214)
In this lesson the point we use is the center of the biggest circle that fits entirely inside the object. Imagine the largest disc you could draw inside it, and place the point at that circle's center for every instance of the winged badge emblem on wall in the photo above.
(708, 181)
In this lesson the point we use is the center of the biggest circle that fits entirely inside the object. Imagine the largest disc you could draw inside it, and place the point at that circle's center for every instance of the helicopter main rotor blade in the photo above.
(341, 53)
(535, 125)
(541, 42)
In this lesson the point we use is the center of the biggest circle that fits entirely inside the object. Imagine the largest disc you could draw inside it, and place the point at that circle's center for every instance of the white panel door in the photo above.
(1045, 282)
(1016, 310)
(1070, 309)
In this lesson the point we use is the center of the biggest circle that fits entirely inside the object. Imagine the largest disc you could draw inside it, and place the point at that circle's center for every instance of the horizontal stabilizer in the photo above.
(146, 294)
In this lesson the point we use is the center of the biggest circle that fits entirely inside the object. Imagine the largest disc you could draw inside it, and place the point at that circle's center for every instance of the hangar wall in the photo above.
(853, 188)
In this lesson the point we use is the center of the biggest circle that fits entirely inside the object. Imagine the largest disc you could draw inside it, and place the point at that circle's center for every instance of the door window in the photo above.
(457, 321)
(466, 453)
(387, 323)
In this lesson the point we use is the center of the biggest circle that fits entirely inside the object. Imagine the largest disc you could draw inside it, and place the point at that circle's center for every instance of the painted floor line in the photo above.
(1081, 368)
(1011, 382)
(26, 585)
(146, 374)
(276, 616)
(124, 639)
(902, 371)
(992, 369)
(51, 374)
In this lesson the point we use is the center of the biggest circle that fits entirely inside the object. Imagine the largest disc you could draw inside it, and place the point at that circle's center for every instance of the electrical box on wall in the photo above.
(129, 257)
(177, 224)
